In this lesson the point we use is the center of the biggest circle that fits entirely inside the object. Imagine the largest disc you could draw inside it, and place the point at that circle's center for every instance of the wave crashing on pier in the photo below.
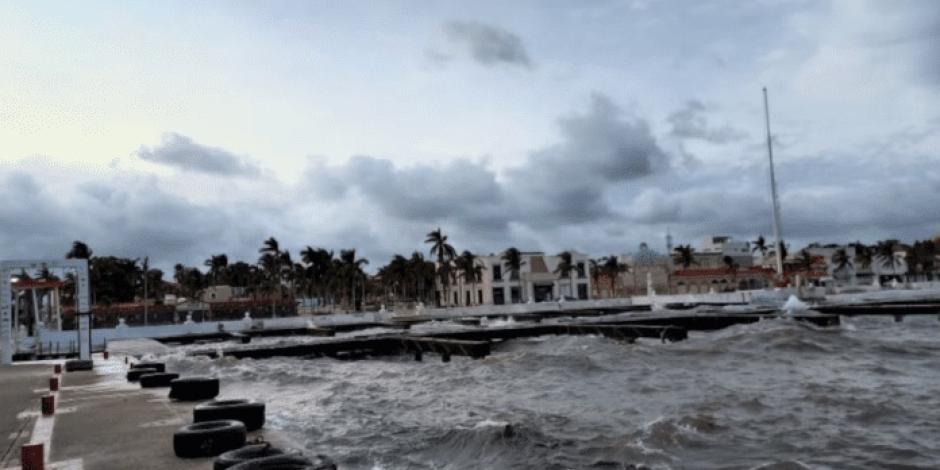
(775, 393)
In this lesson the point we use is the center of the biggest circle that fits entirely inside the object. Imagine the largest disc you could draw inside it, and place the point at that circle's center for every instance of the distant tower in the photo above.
(668, 242)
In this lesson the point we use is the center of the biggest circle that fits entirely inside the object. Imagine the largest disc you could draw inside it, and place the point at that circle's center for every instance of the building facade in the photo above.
(721, 264)
(646, 268)
(536, 281)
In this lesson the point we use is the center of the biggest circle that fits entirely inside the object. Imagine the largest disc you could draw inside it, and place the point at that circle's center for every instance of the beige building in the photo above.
(535, 282)
(222, 293)
(645, 268)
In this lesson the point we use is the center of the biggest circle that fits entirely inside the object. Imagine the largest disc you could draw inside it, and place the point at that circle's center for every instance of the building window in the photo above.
(456, 299)
(582, 292)
(580, 270)
(499, 296)
(467, 298)
(480, 296)
(497, 272)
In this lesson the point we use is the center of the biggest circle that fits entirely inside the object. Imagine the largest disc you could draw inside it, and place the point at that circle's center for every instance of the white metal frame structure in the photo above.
(83, 326)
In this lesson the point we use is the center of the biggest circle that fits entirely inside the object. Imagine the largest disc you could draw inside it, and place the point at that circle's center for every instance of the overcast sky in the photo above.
(177, 130)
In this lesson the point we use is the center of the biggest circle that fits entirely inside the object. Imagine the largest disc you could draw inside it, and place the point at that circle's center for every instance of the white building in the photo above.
(536, 281)
(713, 250)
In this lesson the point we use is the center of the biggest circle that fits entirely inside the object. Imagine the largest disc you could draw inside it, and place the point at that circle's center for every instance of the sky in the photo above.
(178, 130)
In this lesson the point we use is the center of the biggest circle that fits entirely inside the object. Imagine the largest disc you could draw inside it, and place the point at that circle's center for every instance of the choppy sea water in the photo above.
(772, 395)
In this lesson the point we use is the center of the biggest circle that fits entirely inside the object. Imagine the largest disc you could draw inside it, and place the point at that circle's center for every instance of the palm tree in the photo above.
(513, 262)
(886, 252)
(565, 268)
(612, 268)
(470, 269)
(863, 255)
(444, 253)
(80, 250)
(270, 246)
(217, 265)
(841, 260)
(760, 245)
(922, 257)
(276, 264)
(684, 255)
(422, 273)
(319, 267)
(596, 272)
(351, 271)
(805, 260)
(732, 267)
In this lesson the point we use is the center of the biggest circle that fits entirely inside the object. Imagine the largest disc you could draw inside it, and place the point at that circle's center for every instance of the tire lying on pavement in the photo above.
(77, 364)
(161, 367)
(208, 439)
(287, 462)
(159, 379)
(194, 388)
(249, 452)
(133, 375)
(249, 412)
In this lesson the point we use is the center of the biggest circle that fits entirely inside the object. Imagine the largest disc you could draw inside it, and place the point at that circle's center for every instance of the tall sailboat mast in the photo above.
(778, 242)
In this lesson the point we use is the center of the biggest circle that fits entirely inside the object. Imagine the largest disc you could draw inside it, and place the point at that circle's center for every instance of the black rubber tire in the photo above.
(161, 367)
(78, 364)
(287, 462)
(247, 411)
(133, 375)
(208, 439)
(194, 388)
(159, 379)
(249, 452)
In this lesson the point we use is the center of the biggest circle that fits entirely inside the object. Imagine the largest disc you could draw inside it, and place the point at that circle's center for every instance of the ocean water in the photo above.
(772, 395)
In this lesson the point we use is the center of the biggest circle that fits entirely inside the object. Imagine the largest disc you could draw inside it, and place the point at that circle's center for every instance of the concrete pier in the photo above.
(101, 421)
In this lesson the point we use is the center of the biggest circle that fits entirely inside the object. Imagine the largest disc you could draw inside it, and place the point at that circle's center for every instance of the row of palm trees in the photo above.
(319, 273)
(340, 279)
(920, 257)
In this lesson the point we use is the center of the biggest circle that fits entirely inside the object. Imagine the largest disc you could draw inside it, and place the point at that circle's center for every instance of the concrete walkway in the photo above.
(102, 422)
(20, 388)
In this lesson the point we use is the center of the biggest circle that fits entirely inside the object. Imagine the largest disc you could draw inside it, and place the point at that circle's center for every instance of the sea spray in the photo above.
(794, 305)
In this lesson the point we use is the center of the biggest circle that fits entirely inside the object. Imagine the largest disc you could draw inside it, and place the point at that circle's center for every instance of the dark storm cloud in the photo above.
(822, 199)
(130, 217)
(461, 192)
(489, 45)
(691, 122)
(29, 215)
(567, 182)
(182, 152)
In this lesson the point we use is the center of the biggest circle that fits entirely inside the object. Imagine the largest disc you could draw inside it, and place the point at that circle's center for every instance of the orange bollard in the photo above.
(48, 405)
(57, 368)
(53, 384)
(31, 457)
